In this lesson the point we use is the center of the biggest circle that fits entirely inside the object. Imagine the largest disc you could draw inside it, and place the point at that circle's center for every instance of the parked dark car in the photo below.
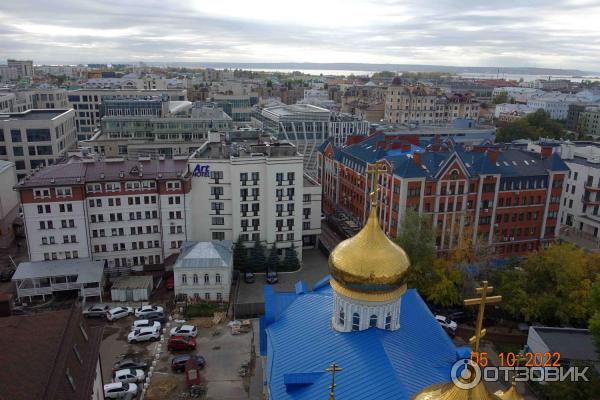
(272, 277)
(181, 343)
(6, 274)
(178, 363)
(133, 363)
(248, 277)
(158, 316)
(96, 310)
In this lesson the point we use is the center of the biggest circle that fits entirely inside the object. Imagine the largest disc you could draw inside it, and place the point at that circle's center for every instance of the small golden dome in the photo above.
(449, 391)
(369, 266)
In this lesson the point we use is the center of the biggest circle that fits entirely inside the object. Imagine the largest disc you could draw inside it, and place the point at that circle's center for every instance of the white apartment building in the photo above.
(24, 67)
(519, 94)
(311, 212)
(249, 191)
(130, 214)
(86, 103)
(9, 202)
(70, 71)
(556, 105)
(36, 138)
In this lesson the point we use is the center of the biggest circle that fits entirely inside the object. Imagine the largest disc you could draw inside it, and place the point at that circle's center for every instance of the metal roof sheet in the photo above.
(214, 254)
(85, 269)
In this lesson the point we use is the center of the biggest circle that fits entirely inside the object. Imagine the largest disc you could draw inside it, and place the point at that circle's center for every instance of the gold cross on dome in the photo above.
(333, 368)
(375, 169)
(481, 301)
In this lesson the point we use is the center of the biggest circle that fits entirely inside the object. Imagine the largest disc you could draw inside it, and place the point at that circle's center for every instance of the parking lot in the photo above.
(314, 268)
(224, 353)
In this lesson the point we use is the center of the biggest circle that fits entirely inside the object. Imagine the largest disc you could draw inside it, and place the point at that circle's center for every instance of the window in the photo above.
(341, 317)
(183, 279)
(373, 321)
(94, 188)
(207, 296)
(41, 193)
(206, 279)
(218, 236)
(218, 221)
(388, 321)
(218, 278)
(219, 296)
(306, 198)
(195, 279)
(355, 321)
(63, 192)
(173, 185)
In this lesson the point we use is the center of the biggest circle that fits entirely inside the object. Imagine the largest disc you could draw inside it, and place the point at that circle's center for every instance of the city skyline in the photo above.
(539, 34)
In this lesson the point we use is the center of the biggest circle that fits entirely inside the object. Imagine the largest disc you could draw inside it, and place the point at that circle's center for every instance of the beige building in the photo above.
(589, 121)
(36, 138)
(426, 105)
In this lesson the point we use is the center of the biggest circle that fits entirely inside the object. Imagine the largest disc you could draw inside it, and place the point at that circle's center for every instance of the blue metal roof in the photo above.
(376, 364)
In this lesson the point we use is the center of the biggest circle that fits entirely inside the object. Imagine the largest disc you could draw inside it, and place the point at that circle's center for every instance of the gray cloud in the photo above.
(551, 33)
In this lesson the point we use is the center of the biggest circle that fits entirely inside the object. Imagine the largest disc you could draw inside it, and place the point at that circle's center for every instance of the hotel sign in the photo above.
(201, 170)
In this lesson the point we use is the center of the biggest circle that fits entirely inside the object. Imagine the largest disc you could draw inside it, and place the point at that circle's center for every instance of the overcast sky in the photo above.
(536, 33)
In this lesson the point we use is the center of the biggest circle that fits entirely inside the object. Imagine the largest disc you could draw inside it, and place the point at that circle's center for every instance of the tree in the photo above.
(501, 98)
(257, 257)
(417, 238)
(444, 290)
(273, 259)
(240, 254)
(290, 260)
(594, 322)
(533, 126)
(552, 286)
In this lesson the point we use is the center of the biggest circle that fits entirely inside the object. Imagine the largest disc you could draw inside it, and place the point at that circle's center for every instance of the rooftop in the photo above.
(245, 149)
(33, 115)
(42, 359)
(571, 343)
(87, 271)
(214, 254)
(76, 171)
(132, 282)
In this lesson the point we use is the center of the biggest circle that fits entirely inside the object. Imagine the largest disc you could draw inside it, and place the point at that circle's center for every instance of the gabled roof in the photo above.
(376, 364)
(214, 254)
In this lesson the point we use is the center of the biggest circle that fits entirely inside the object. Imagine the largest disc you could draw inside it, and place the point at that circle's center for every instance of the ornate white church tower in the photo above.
(368, 278)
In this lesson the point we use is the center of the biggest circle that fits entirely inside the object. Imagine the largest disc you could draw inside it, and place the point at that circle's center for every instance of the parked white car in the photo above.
(118, 312)
(129, 375)
(143, 310)
(144, 323)
(184, 330)
(446, 323)
(119, 390)
(143, 335)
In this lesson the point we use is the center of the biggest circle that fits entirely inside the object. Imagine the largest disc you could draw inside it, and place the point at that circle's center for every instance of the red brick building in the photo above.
(508, 198)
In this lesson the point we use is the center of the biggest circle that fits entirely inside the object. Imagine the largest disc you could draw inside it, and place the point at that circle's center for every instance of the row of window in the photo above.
(64, 223)
(356, 320)
(133, 230)
(66, 239)
(47, 209)
(150, 244)
(54, 255)
(58, 192)
(184, 279)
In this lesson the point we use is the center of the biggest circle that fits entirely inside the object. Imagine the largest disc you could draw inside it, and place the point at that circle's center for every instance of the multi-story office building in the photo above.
(70, 71)
(307, 127)
(24, 68)
(7, 102)
(127, 213)
(8, 74)
(237, 106)
(86, 103)
(134, 136)
(426, 105)
(556, 105)
(507, 198)
(588, 122)
(253, 192)
(151, 106)
(36, 138)
(40, 98)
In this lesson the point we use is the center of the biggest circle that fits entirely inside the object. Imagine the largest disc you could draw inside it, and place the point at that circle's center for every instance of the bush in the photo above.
(204, 309)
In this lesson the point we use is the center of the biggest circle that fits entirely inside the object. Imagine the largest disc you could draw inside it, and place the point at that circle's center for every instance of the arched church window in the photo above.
(341, 317)
(388, 321)
(373, 321)
(355, 321)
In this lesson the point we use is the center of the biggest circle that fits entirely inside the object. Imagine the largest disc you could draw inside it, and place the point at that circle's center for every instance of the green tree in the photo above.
(417, 238)
(533, 126)
(240, 254)
(594, 322)
(501, 98)
(273, 259)
(552, 286)
(290, 259)
(444, 290)
(257, 257)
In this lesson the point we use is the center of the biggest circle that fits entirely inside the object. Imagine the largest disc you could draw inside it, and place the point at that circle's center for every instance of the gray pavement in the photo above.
(314, 268)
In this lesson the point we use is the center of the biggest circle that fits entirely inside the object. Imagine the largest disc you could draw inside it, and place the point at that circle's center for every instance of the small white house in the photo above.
(131, 288)
(204, 270)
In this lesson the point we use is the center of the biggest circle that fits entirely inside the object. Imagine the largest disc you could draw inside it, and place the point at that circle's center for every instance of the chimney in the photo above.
(417, 158)
(492, 155)
(546, 151)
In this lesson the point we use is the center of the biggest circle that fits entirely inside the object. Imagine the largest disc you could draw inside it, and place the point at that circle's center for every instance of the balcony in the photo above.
(586, 200)
(592, 188)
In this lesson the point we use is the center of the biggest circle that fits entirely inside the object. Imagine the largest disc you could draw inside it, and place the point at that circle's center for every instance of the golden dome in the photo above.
(449, 391)
(369, 266)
